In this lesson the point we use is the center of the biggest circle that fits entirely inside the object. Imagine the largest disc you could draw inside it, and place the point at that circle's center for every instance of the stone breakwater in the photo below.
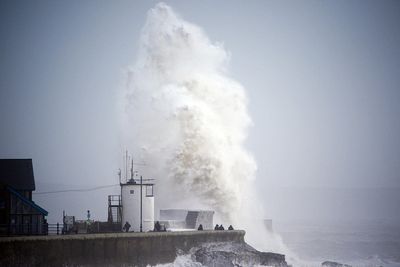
(130, 249)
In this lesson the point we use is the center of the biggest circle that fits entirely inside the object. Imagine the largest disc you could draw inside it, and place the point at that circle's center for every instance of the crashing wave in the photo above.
(188, 120)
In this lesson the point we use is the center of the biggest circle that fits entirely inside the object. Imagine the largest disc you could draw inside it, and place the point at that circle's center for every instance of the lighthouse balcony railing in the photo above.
(138, 181)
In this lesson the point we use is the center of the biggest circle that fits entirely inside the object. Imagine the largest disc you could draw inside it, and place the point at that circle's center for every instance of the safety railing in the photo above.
(31, 229)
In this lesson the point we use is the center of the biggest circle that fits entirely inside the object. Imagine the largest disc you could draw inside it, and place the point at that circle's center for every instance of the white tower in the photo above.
(138, 204)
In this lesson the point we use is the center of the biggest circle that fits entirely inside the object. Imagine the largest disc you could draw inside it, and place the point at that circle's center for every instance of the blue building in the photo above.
(19, 215)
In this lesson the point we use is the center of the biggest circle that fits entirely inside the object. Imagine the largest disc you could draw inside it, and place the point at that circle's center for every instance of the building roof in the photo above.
(28, 201)
(17, 173)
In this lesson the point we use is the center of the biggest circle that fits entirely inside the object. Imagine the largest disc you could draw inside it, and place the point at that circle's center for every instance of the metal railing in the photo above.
(55, 229)
(31, 229)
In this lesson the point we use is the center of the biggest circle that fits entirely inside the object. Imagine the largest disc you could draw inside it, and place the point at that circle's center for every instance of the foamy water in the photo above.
(354, 243)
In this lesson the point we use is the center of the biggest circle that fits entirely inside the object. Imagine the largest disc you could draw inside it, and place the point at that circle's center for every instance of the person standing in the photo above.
(126, 227)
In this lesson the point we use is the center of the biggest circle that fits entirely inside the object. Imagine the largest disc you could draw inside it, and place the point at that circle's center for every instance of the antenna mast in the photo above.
(132, 169)
(126, 166)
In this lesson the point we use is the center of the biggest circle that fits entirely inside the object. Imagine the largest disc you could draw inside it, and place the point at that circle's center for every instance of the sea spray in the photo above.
(187, 119)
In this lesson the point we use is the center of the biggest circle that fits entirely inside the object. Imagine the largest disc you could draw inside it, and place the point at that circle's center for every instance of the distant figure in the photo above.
(157, 227)
(221, 227)
(126, 227)
(216, 227)
(200, 227)
(230, 227)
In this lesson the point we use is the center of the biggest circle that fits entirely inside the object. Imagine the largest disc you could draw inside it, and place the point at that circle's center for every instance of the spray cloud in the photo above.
(188, 120)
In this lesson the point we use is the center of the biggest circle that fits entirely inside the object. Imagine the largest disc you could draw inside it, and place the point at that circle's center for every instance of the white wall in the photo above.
(131, 208)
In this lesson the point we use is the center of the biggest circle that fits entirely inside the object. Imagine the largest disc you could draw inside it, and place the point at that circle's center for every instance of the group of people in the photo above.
(217, 227)
(159, 228)
(221, 227)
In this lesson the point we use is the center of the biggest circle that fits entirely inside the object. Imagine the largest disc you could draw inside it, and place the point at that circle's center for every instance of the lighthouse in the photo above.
(137, 201)
(138, 204)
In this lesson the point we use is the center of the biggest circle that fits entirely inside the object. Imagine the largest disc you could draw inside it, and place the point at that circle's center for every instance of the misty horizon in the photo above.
(321, 80)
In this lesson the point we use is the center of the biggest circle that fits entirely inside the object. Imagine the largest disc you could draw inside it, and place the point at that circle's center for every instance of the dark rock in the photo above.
(233, 254)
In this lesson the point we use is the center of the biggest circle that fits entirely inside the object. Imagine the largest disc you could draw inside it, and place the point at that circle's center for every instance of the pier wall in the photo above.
(112, 249)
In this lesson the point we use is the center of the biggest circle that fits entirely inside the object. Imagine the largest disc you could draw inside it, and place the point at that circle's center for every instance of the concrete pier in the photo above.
(112, 249)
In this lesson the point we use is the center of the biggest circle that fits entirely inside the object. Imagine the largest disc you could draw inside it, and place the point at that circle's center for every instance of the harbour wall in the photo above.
(111, 249)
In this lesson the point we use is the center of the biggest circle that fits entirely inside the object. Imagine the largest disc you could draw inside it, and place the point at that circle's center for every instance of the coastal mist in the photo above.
(186, 123)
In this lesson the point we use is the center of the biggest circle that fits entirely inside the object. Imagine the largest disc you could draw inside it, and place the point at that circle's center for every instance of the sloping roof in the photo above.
(17, 173)
(27, 201)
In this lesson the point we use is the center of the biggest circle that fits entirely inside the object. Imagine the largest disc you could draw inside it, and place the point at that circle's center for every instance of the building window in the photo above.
(132, 191)
(149, 190)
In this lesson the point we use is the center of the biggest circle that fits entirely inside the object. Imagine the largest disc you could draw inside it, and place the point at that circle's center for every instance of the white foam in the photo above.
(181, 261)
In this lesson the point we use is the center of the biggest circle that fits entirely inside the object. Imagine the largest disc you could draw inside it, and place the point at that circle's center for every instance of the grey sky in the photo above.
(322, 79)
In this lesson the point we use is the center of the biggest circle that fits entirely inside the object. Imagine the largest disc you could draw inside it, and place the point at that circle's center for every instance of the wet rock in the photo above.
(235, 255)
